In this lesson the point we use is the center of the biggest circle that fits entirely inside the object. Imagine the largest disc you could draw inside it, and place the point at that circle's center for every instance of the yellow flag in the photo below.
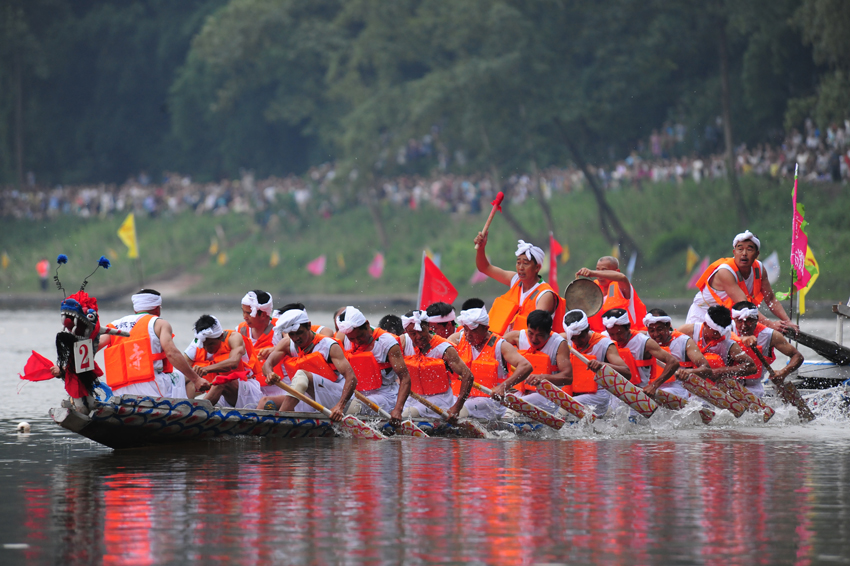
(127, 233)
(565, 254)
(213, 246)
(811, 267)
(615, 251)
(4, 261)
(222, 258)
(340, 261)
(691, 260)
(274, 261)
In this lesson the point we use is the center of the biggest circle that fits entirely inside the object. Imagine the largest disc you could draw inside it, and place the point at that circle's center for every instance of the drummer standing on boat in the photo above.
(618, 291)
(741, 277)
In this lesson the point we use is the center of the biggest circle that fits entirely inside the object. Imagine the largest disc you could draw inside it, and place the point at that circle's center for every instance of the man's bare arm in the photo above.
(484, 266)
(162, 329)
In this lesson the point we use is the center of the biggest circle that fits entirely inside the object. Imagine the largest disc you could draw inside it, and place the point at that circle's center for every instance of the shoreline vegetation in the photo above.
(665, 219)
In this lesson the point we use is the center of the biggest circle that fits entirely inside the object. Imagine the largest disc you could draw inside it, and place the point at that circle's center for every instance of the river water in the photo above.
(667, 491)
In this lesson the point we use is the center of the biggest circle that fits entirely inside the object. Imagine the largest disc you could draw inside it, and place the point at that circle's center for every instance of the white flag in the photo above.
(771, 265)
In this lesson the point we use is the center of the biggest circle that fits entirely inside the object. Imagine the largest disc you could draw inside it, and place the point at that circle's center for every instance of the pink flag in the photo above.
(477, 277)
(376, 268)
(703, 265)
(799, 241)
(317, 266)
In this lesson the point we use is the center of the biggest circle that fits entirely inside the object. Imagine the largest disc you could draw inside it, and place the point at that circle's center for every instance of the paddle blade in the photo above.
(669, 401)
(410, 429)
(560, 397)
(527, 409)
(474, 429)
(714, 395)
(359, 429)
(624, 390)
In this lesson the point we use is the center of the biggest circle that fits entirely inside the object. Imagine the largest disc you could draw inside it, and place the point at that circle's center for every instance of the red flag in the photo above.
(37, 368)
(376, 268)
(555, 250)
(317, 266)
(223, 378)
(692, 282)
(435, 286)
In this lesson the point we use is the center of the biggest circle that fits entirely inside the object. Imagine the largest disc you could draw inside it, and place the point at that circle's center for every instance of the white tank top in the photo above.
(704, 298)
(721, 349)
(679, 347)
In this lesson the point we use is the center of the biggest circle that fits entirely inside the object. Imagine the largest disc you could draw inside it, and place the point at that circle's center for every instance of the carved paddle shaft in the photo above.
(787, 391)
(406, 427)
(737, 390)
(708, 391)
(497, 205)
(524, 408)
(352, 424)
(472, 427)
(564, 399)
(622, 388)
(675, 403)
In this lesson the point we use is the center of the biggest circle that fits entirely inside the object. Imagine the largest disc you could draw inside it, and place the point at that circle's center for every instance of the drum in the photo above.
(584, 294)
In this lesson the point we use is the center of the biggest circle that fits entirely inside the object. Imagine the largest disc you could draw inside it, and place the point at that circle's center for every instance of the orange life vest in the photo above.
(428, 376)
(756, 297)
(584, 380)
(683, 365)
(749, 351)
(366, 366)
(314, 362)
(222, 354)
(485, 368)
(507, 309)
(252, 348)
(616, 300)
(129, 359)
(634, 364)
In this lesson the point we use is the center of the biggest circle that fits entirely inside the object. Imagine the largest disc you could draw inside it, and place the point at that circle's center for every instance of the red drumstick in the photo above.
(497, 205)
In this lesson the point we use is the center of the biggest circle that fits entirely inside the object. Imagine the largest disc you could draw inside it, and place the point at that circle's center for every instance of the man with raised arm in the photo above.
(527, 291)
(170, 375)
(741, 277)
(713, 338)
(617, 290)
(659, 325)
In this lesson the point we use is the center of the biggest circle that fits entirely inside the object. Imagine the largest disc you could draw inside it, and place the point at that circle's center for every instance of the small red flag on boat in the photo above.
(37, 368)
(434, 286)
(317, 266)
(376, 268)
(555, 250)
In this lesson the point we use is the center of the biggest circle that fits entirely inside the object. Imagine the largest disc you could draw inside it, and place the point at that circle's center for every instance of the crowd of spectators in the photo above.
(822, 155)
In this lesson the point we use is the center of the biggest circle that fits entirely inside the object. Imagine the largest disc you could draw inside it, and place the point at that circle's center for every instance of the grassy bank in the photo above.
(665, 219)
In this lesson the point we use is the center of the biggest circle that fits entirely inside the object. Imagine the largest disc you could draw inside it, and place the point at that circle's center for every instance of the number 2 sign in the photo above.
(83, 356)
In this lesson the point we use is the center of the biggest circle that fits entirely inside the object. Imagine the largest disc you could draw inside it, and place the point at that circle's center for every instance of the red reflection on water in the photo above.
(128, 520)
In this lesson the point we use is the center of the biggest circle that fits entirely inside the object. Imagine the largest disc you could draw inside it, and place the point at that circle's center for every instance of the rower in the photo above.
(220, 355)
(659, 325)
(487, 356)
(738, 278)
(527, 291)
(441, 319)
(316, 364)
(377, 361)
(617, 290)
(713, 338)
(392, 324)
(164, 370)
(549, 355)
(257, 330)
(638, 350)
(749, 334)
(317, 328)
(429, 360)
(600, 351)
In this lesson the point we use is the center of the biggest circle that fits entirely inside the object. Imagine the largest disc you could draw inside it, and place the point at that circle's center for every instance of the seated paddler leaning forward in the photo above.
(147, 362)
(527, 291)
(315, 365)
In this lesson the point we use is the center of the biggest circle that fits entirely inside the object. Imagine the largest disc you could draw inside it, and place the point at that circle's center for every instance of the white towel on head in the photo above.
(611, 321)
(726, 332)
(530, 251)
(146, 301)
(353, 319)
(576, 327)
(746, 235)
(744, 314)
(250, 300)
(416, 320)
(215, 331)
(291, 320)
(649, 319)
(446, 318)
(473, 318)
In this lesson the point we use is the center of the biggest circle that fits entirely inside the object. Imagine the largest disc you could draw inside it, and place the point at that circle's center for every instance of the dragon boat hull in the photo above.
(131, 421)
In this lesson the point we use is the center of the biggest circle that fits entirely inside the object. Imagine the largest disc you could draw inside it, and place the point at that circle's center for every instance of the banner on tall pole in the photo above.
(799, 241)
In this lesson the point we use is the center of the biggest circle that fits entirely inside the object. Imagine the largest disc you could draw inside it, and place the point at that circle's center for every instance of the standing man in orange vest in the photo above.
(527, 291)
(170, 374)
(258, 329)
(741, 277)
(618, 291)
(43, 269)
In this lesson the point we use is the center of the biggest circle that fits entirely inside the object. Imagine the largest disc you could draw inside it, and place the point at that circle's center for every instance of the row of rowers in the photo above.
(406, 364)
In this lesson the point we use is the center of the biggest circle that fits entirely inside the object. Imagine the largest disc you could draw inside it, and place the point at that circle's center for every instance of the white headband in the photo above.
(726, 332)
(353, 319)
(577, 327)
(447, 318)
(649, 319)
(473, 318)
(290, 321)
(610, 321)
(746, 235)
(212, 332)
(250, 300)
(146, 301)
(744, 314)
(416, 320)
(530, 251)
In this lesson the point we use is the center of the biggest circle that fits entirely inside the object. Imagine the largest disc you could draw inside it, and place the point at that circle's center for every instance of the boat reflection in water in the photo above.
(722, 498)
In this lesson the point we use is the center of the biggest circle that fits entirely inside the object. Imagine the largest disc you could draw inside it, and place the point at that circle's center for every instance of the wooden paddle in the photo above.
(622, 388)
(675, 403)
(472, 427)
(707, 390)
(497, 205)
(355, 426)
(565, 400)
(524, 408)
(406, 427)
(787, 391)
(737, 390)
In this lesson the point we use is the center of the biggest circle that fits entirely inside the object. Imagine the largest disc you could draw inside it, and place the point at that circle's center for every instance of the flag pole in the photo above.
(793, 222)
(421, 281)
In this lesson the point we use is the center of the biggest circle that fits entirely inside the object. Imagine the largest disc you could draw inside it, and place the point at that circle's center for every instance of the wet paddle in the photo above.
(564, 399)
(472, 427)
(622, 388)
(737, 390)
(708, 391)
(787, 391)
(673, 402)
(497, 205)
(406, 427)
(355, 426)
(524, 408)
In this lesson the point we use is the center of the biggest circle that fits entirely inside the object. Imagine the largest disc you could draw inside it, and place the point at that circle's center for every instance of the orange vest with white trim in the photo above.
(366, 367)
(634, 364)
(314, 362)
(616, 300)
(428, 376)
(756, 297)
(484, 368)
(507, 310)
(130, 359)
(252, 348)
(584, 380)
(222, 354)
